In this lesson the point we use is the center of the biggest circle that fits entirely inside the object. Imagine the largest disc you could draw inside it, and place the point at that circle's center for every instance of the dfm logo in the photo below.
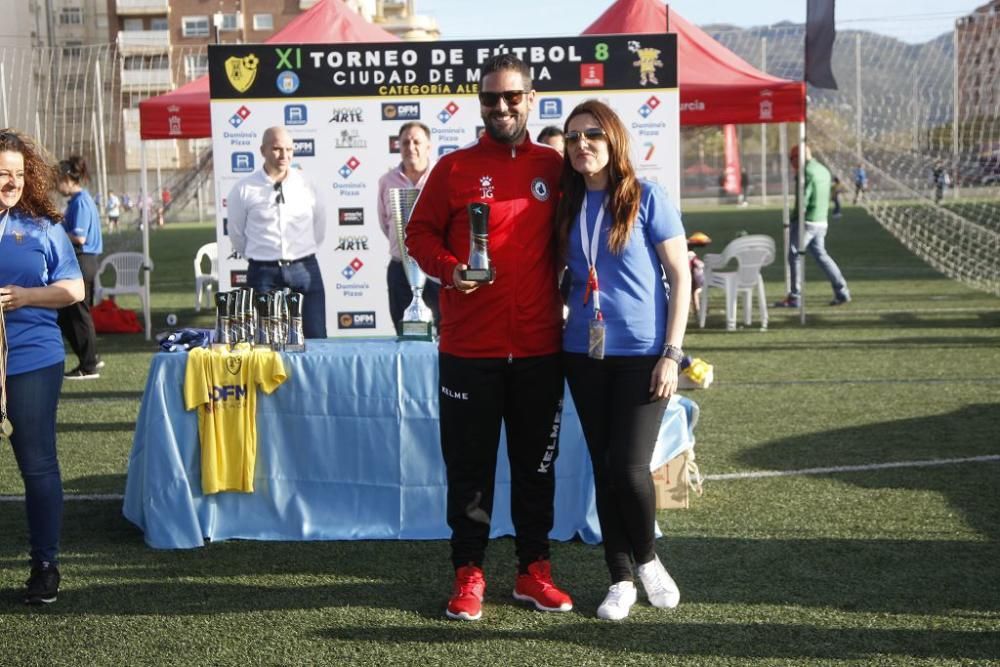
(447, 113)
(241, 115)
(349, 167)
(649, 107)
(229, 391)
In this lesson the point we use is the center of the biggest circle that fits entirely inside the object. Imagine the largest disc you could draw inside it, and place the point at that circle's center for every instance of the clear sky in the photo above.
(910, 20)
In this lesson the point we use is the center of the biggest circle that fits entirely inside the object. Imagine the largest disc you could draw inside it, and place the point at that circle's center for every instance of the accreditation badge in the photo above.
(595, 348)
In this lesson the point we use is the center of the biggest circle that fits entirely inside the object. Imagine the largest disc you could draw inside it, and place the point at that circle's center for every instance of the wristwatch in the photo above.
(672, 352)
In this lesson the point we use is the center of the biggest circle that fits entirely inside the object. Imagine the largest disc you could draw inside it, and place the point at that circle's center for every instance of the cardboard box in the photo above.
(675, 481)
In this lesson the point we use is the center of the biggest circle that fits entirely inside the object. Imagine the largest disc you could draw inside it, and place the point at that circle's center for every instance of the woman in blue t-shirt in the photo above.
(38, 275)
(82, 223)
(619, 237)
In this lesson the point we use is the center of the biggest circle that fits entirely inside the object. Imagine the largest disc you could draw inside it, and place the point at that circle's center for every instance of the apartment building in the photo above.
(977, 39)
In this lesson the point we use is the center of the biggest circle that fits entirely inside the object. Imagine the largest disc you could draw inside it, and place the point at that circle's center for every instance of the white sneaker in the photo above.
(620, 598)
(660, 587)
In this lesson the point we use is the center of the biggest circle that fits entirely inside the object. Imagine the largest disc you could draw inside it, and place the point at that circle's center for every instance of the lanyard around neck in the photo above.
(590, 246)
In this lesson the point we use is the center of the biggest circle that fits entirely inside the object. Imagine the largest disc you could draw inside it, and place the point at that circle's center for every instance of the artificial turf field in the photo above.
(868, 566)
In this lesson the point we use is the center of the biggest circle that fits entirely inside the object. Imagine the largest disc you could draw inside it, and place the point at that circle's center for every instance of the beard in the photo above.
(500, 132)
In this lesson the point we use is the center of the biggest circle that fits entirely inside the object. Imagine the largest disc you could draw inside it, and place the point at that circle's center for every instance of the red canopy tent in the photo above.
(184, 113)
(716, 85)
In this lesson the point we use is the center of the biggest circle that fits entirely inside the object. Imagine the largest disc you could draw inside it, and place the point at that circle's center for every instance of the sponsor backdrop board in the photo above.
(343, 105)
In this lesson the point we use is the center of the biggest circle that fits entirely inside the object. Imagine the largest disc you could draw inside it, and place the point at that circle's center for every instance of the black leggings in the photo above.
(621, 425)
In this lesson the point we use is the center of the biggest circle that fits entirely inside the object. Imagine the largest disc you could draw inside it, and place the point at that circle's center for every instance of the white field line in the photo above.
(758, 474)
(852, 310)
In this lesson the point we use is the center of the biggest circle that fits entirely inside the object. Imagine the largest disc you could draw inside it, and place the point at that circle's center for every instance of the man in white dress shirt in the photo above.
(277, 222)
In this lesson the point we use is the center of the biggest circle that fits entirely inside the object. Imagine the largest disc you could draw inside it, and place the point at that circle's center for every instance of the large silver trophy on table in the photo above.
(417, 318)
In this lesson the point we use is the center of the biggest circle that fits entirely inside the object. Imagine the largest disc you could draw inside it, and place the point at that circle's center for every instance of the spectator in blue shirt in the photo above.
(83, 225)
(38, 275)
(860, 182)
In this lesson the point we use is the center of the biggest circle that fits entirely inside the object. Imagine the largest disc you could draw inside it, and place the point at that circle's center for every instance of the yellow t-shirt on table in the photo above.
(223, 386)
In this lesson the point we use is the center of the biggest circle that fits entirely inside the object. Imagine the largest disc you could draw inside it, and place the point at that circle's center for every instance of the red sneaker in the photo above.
(536, 587)
(466, 603)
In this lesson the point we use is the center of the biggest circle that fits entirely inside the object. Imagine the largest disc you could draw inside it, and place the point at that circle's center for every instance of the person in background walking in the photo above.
(83, 225)
(816, 197)
(114, 211)
(860, 182)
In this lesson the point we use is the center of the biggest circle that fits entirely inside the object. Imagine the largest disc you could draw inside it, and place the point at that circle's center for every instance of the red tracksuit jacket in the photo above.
(520, 314)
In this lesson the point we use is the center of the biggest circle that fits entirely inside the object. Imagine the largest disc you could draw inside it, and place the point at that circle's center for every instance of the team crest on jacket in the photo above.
(486, 187)
(540, 189)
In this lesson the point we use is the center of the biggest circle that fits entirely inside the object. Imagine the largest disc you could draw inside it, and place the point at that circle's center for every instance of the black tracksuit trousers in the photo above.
(476, 396)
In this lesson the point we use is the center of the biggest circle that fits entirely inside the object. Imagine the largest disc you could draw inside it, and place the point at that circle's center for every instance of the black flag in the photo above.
(820, 35)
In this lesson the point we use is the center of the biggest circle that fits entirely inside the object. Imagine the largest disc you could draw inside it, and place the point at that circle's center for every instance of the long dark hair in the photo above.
(39, 175)
(623, 187)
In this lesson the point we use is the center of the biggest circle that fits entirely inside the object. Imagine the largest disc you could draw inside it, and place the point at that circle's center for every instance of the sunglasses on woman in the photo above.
(590, 134)
(511, 97)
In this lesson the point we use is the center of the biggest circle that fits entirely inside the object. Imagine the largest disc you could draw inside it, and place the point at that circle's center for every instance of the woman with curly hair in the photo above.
(38, 275)
(619, 237)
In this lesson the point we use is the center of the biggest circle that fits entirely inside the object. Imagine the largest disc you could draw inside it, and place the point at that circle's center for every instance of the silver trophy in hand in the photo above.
(417, 318)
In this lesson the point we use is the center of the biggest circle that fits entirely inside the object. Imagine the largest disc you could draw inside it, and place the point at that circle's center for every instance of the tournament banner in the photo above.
(343, 105)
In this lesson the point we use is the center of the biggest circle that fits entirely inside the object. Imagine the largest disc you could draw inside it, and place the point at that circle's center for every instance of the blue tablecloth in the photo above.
(348, 448)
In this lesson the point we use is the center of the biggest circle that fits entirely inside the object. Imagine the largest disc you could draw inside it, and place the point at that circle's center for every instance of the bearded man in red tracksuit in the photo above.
(500, 341)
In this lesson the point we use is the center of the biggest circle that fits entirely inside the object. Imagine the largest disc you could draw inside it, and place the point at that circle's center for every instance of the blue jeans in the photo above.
(815, 245)
(302, 276)
(32, 399)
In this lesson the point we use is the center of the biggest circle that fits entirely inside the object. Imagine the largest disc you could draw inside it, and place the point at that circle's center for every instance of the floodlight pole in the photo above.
(3, 93)
(144, 213)
(954, 118)
(763, 132)
(857, 94)
(801, 212)
(102, 153)
(785, 217)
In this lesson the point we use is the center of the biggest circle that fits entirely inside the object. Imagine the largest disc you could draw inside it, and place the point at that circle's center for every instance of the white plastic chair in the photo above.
(750, 253)
(205, 283)
(128, 267)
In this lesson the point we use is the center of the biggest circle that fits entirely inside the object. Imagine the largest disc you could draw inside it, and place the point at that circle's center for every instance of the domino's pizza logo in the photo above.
(352, 269)
(448, 112)
(349, 167)
(649, 107)
(241, 115)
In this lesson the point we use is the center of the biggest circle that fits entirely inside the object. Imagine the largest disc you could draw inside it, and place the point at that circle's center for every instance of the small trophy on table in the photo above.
(295, 340)
(480, 269)
(223, 319)
(417, 319)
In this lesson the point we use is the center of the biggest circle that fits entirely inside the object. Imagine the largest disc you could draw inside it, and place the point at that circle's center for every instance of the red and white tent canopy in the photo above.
(717, 87)
(184, 113)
